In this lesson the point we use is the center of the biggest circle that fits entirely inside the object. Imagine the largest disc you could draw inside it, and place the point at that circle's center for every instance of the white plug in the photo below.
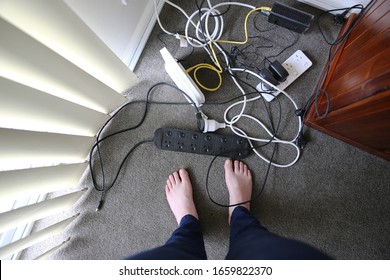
(212, 125)
(206, 125)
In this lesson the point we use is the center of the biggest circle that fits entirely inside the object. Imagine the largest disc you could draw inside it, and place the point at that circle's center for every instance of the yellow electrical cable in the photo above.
(245, 27)
(206, 66)
(220, 70)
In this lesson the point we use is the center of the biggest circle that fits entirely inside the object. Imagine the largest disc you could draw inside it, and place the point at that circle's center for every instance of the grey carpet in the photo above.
(336, 197)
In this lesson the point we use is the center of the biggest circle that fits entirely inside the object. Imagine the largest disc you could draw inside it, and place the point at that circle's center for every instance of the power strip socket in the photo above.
(295, 65)
(196, 142)
(182, 79)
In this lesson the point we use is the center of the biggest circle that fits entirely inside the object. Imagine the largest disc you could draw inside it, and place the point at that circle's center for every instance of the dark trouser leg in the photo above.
(250, 240)
(185, 243)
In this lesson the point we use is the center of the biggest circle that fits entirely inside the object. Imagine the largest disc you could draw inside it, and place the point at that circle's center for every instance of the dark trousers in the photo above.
(249, 240)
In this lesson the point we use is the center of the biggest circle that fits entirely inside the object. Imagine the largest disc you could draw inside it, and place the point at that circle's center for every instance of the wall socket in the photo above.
(295, 65)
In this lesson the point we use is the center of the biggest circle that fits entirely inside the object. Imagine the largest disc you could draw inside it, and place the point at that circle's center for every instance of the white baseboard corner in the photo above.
(141, 35)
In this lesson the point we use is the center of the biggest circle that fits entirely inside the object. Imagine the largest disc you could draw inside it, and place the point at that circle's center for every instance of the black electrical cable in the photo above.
(265, 177)
(236, 52)
(240, 203)
(255, 90)
(101, 202)
(103, 187)
(211, 15)
(274, 130)
(344, 36)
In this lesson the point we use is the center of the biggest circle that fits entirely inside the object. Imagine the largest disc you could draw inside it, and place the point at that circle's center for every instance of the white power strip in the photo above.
(182, 79)
(295, 65)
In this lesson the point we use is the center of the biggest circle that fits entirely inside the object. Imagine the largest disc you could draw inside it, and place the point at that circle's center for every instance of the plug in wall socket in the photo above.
(295, 65)
(182, 79)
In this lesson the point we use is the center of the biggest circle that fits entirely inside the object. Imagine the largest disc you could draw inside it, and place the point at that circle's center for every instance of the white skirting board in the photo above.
(141, 34)
(327, 5)
(123, 25)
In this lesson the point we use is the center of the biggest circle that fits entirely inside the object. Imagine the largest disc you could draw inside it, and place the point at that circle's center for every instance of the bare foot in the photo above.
(238, 179)
(179, 195)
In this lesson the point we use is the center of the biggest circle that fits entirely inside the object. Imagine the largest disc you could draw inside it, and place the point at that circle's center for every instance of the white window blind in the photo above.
(22, 149)
(56, 26)
(16, 184)
(58, 83)
(30, 213)
(35, 237)
(44, 112)
(47, 253)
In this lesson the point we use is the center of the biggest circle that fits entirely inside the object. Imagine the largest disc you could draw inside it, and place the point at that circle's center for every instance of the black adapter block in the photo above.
(267, 75)
(196, 142)
(278, 71)
(290, 17)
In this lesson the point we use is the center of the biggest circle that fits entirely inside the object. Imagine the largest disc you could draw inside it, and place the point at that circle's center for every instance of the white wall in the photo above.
(124, 25)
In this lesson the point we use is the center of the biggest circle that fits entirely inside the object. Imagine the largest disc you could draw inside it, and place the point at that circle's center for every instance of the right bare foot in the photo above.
(238, 179)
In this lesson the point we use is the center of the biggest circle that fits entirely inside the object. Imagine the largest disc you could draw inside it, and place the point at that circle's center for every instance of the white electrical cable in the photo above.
(275, 139)
(217, 33)
(212, 10)
(159, 21)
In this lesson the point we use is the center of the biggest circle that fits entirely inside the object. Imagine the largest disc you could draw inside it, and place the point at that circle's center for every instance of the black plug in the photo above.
(300, 112)
(300, 141)
(339, 18)
(100, 205)
(267, 75)
(278, 71)
(200, 121)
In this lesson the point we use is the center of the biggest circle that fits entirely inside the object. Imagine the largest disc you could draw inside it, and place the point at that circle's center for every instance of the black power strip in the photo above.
(196, 142)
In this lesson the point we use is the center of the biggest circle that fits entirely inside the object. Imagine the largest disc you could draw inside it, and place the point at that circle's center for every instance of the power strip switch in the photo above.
(195, 142)
(295, 65)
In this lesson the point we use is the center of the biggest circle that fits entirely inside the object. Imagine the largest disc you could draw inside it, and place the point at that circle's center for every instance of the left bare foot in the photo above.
(179, 195)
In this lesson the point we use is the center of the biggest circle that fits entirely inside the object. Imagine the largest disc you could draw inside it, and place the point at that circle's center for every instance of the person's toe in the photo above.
(228, 165)
(183, 174)
(177, 177)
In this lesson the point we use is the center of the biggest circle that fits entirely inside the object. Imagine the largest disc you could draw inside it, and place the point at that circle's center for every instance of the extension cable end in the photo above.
(205, 125)
(100, 205)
